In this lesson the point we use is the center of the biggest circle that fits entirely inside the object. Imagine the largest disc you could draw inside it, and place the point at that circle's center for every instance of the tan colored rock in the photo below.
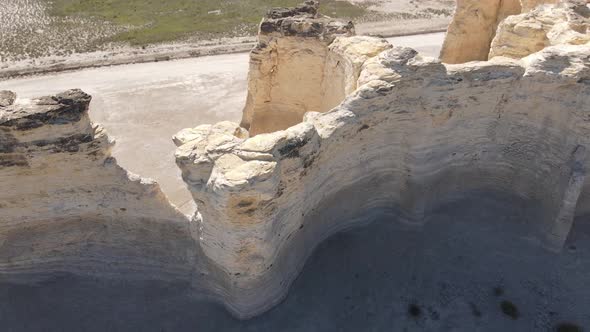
(346, 56)
(67, 207)
(470, 34)
(301, 37)
(404, 135)
(524, 34)
(473, 27)
(415, 134)
(292, 44)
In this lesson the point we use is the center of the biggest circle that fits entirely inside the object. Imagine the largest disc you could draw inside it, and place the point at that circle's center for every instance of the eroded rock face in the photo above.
(293, 46)
(528, 5)
(470, 34)
(66, 206)
(415, 134)
(392, 134)
(473, 27)
(520, 35)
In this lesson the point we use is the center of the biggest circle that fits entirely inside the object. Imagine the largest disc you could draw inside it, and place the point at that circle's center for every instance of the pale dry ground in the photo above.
(399, 17)
(143, 105)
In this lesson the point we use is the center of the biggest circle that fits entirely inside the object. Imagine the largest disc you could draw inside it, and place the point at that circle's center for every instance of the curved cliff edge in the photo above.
(383, 132)
(411, 134)
(67, 206)
(416, 134)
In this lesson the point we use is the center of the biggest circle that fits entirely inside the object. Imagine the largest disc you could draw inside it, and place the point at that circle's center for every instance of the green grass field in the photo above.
(154, 21)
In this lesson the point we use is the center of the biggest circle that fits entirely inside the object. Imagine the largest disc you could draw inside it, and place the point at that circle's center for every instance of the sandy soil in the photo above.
(452, 275)
(143, 105)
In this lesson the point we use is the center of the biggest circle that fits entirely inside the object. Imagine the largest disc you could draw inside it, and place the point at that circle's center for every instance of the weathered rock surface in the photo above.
(392, 134)
(416, 134)
(473, 27)
(470, 34)
(520, 35)
(293, 44)
(66, 206)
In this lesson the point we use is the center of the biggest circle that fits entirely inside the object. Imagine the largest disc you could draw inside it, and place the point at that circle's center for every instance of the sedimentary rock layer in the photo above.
(473, 27)
(416, 134)
(293, 46)
(520, 35)
(394, 134)
(476, 24)
(66, 206)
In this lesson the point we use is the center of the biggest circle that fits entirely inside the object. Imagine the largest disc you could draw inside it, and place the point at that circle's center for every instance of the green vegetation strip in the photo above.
(152, 21)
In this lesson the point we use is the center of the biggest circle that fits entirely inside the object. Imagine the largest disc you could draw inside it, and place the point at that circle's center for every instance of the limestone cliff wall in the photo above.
(66, 206)
(391, 133)
(473, 27)
(293, 44)
(471, 36)
(520, 35)
(414, 135)
(343, 64)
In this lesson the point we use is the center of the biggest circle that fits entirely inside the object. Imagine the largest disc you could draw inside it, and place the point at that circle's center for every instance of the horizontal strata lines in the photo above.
(69, 208)
(402, 164)
(414, 135)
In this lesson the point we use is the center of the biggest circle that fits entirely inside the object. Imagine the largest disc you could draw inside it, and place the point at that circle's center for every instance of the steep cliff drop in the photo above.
(409, 135)
(339, 130)
(301, 64)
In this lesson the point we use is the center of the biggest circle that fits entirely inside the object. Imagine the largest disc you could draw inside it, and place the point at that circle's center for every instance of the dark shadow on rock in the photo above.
(382, 277)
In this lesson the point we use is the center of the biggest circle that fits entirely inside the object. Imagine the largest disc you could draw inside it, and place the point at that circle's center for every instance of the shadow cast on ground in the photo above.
(471, 268)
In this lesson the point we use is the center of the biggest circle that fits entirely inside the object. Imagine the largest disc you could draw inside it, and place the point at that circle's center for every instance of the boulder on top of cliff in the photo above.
(308, 8)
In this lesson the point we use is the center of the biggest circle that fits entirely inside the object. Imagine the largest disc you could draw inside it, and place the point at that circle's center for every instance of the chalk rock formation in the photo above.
(292, 44)
(415, 134)
(66, 206)
(474, 26)
(520, 35)
(391, 134)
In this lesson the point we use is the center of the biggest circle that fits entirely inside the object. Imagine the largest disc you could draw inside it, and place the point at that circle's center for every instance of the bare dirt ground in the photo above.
(34, 41)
